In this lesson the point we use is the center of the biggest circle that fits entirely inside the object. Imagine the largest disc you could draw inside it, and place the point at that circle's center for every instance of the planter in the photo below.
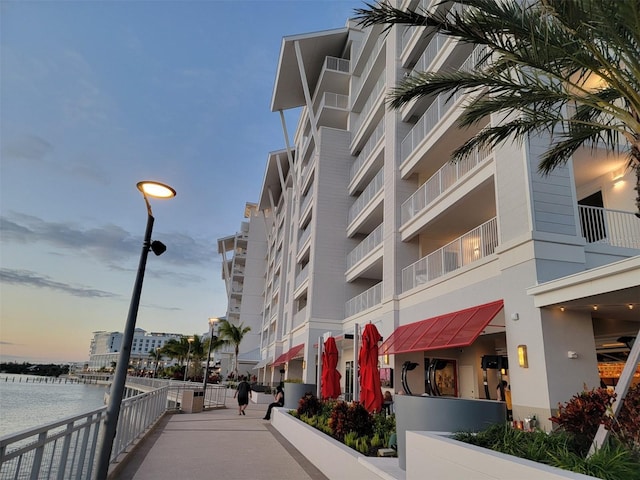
(293, 392)
(261, 398)
(334, 459)
(448, 459)
(443, 414)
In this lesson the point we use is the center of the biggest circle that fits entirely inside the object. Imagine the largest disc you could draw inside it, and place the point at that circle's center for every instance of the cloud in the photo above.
(27, 147)
(108, 243)
(32, 279)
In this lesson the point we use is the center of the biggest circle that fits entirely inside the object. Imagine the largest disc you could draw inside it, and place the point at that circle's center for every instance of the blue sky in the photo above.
(96, 96)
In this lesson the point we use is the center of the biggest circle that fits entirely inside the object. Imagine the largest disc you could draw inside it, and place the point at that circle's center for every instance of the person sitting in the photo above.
(387, 402)
(278, 402)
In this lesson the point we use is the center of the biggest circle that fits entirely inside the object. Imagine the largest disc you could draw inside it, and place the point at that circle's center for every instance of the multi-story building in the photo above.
(243, 259)
(477, 271)
(105, 349)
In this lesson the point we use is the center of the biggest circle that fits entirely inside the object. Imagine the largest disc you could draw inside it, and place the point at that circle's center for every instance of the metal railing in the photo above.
(67, 449)
(367, 299)
(468, 248)
(610, 227)
(447, 176)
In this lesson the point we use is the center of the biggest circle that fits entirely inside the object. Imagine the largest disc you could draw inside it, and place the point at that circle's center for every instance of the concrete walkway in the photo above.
(216, 444)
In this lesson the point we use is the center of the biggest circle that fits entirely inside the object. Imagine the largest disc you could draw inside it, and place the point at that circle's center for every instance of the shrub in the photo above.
(583, 414)
(351, 424)
(626, 427)
(350, 417)
(309, 405)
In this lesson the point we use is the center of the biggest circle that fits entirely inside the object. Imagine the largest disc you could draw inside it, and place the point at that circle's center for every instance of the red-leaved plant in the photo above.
(583, 414)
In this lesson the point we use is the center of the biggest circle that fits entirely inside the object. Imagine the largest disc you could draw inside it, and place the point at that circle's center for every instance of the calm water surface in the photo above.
(25, 404)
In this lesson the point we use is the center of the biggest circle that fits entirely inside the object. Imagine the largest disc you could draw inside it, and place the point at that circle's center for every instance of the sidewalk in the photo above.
(216, 443)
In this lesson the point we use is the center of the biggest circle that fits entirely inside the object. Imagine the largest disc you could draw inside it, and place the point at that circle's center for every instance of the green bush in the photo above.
(349, 423)
(560, 449)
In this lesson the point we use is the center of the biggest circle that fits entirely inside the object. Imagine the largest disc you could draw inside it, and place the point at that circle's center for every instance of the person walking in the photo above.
(243, 390)
(278, 402)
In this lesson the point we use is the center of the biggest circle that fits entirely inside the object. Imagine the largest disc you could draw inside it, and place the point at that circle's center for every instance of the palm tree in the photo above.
(155, 355)
(568, 68)
(231, 334)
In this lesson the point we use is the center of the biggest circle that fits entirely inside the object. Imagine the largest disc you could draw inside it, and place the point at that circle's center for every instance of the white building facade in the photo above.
(105, 349)
(484, 263)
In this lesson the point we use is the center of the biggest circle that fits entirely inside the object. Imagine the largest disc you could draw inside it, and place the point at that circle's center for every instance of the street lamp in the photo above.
(186, 368)
(212, 324)
(148, 189)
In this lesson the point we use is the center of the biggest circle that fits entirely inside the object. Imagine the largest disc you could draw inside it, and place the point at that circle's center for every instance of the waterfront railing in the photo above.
(67, 449)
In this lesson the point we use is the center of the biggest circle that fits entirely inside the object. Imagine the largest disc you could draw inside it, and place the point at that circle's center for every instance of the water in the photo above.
(25, 404)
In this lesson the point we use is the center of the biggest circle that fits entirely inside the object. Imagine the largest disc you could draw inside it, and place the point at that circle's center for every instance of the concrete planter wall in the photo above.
(332, 458)
(261, 398)
(293, 392)
(443, 414)
(435, 456)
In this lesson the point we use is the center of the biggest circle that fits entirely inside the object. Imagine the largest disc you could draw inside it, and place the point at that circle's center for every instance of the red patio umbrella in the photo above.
(370, 391)
(330, 375)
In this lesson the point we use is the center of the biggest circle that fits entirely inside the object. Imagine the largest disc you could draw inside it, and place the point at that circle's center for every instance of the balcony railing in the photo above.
(367, 299)
(610, 227)
(377, 91)
(365, 197)
(302, 276)
(337, 64)
(437, 110)
(365, 247)
(470, 247)
(375, 137)
(448, 175)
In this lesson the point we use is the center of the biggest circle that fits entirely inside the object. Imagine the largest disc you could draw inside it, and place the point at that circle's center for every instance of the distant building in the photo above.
(105, 348)
(243, 266)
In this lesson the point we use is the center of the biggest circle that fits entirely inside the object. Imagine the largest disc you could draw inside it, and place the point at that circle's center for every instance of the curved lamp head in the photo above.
(156, 189)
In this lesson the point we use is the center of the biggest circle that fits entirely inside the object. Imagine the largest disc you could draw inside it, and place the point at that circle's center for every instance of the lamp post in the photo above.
(186, 368)
(212, 324)
(148, 189)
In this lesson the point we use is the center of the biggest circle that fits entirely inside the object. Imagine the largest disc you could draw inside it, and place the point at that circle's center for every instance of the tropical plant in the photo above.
(231, 334)
(566, 68)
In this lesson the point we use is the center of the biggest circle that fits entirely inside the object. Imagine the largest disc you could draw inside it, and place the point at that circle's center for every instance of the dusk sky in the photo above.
(96, 96)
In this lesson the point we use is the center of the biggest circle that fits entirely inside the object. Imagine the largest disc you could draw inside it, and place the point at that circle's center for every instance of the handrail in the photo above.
(67, 448)
(464, 250)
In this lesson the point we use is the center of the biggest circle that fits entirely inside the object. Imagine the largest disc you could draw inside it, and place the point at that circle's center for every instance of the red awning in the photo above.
(457, 329)
(294, 352)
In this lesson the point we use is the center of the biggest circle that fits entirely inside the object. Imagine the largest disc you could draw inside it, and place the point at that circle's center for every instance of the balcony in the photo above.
(365, 154)
(438, 109)
(464, 250)
(448, 175)
(366, 196)
(609, 227)
(367, 299)
(365, 247)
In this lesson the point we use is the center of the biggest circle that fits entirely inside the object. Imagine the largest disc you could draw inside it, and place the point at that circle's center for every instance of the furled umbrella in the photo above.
(330, 375)
(370, 391)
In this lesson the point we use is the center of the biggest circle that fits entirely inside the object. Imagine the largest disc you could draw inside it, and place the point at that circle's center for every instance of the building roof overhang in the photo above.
(288, 90)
